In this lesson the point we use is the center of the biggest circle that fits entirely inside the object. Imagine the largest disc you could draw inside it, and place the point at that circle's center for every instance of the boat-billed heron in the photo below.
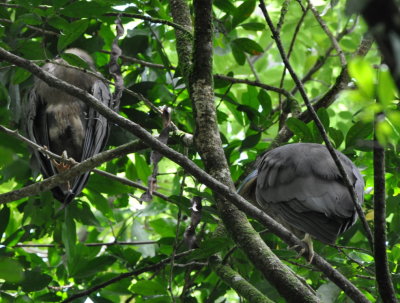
(300, 186)
(64, 124)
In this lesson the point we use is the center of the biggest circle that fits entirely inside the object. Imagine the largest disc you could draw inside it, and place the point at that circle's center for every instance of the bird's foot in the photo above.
(309, 249)
(62, 165)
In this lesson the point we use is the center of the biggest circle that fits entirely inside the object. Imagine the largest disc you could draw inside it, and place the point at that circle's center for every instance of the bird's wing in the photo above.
(37, 131)
(96, 134)
(97, 128)
(301, 184)
(247, 188)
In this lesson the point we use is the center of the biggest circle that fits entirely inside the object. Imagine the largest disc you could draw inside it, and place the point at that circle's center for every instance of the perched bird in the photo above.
(64, 124)
(300, 186)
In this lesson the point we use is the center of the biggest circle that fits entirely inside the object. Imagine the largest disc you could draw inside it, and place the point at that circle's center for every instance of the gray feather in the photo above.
(300, 186)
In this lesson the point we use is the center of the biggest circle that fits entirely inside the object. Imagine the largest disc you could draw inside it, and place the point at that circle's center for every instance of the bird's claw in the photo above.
(305, 250)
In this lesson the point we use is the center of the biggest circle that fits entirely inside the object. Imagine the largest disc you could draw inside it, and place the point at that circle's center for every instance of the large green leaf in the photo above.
(73, 32)
(300, 129)
(358, 132)
(243, 12)
(34, 281)
(247, 45)
(11, 270)
(148, 288)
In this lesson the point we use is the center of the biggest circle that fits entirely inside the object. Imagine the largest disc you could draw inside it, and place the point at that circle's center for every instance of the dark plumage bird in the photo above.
(66, 125)
(300, 186)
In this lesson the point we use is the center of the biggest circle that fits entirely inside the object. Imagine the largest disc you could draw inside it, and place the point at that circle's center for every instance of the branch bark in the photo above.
(383, 277)
(208, 144)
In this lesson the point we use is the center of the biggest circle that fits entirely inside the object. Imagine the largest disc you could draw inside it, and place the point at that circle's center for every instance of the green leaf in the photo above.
(84, 9)
(68, 235)
(14, 237)
(98, 201)
(363, 72)
(106, 185)
(324, 117)
(142, 168)
(34, 281)
(300, 129)
(4, 219)
(253, 26)
(163, 227)
(11, 270)
(83, 214)
(31, 19)
(74, 31)
(265, 101)
(225, 6)
(243, 12)
(20, 75)
(337, 136)
(93, 266)
(148, 288)
(359, 131)
(49, 297)
(247, 45)
(250, 141)
(75, 60)
(210, 247)
(386, 88)
(238, 54)
(58, 22)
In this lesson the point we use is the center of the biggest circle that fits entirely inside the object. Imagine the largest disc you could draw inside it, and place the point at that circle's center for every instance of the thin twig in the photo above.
(152, 20)
(38, 29)
(329, 34)
(122, 243)
(256, 83)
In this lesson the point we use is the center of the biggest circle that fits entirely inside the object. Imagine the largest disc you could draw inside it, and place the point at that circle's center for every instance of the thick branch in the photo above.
(208, 142)
(383, 22)
(181, 14)
(383, 277)
(234, 280)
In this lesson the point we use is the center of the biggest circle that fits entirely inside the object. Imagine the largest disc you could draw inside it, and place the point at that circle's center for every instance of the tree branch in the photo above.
(383, 277)
(237, 282)
(152, 20)
(122, 243)
(208, 143)
(75, 171)
(258, 84)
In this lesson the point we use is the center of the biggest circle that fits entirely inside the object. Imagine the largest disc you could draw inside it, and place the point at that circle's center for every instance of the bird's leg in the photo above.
(63, 166)
(307, 240)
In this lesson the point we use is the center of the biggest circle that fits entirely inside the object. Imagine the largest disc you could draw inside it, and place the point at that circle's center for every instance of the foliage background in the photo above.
(249, 118)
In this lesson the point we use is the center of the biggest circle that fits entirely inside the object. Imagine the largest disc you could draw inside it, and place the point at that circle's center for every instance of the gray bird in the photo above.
(64, 124)
(300, 186)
